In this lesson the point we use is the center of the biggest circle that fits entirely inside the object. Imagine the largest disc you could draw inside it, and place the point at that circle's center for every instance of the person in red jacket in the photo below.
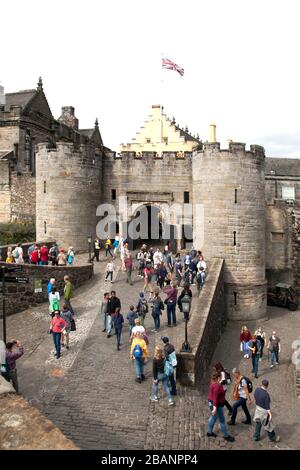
(216, 401)
(35, 255)
(44, 255)
(245, 337)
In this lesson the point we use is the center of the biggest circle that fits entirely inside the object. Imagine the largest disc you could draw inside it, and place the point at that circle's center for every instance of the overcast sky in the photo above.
(241, 62)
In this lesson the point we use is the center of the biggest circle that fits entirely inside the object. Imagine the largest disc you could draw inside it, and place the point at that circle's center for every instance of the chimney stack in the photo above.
(212, 133)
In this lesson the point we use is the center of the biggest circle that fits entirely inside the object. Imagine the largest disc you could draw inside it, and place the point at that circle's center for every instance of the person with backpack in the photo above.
(54, 299)
(170, 355)
(157, 307)
(263, 415)
(139, 353)
(68, 293)
(200, 279)
(53, 254)
(225, 379)
(274, 348)
(118, 321)
(255, 348)
(216, 401)
(18, 254)
(241, 395)
(131, 317)
(68, 317)
(142, 307)
(161, 373)
(70, 256)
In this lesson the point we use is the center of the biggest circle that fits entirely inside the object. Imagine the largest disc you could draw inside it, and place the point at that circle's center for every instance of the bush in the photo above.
(13, 233)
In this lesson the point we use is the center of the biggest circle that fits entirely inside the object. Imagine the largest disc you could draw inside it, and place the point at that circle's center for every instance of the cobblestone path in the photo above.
(91, 395)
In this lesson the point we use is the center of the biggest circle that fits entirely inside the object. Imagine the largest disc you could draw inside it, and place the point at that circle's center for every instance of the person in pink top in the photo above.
(44, 255)
(57, 327)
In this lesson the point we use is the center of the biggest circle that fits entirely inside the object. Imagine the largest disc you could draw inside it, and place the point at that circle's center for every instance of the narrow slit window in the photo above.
(186, 197)
(235, 298)
(45, 227)
(235, 196)
(45, 187)
(113, 194)
(234, 238)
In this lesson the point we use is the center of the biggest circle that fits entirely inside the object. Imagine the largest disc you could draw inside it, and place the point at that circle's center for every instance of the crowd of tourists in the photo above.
(41, 255)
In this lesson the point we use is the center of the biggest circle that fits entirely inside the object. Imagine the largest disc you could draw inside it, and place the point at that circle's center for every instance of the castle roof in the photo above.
(186, 135)
(283, 166)
(87, 132)
(19, 98)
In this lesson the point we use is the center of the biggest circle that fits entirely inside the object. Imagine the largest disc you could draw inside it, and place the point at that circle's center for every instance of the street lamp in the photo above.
(89, 239)
(186, 307)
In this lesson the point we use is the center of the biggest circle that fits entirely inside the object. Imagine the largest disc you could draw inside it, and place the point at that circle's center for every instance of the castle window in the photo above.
(277, 237)
(186, 197)
(45, 187)
(45, 227)
(166, 140)
(234, 238)
(235, 196)
(235, 298)
(113, 194)
(288, 192)
(148, 141)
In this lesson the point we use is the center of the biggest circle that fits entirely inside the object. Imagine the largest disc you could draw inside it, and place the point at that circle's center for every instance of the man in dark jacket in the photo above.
(112, 304)
(128, 266)
(169, 349)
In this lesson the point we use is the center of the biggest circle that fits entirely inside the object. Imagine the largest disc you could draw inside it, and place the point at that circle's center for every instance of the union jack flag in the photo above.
(168, 64)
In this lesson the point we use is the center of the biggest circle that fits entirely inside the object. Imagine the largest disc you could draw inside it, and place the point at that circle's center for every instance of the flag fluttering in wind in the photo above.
(168, 64)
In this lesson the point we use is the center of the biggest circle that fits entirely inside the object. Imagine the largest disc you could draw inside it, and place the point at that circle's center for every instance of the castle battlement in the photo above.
(11, 114)
(146, 156)
(68, 152)
(234, 147)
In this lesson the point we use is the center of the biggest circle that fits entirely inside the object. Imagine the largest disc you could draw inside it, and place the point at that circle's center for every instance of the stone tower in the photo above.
(230, 186)
(68, 192)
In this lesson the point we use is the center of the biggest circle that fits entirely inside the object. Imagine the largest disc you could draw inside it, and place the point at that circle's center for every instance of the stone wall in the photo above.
(229, 185)
(21, 296)
(68, 192)
(296, 247)
(5, 195)
(205, 327)
(23, 197)
(25, 246)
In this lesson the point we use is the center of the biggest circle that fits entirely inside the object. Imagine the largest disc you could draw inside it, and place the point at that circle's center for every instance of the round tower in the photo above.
(68, 192)
(229, 221)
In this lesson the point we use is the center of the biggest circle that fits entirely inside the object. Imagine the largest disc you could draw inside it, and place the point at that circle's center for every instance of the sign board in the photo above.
(38, 286)
(17, 280)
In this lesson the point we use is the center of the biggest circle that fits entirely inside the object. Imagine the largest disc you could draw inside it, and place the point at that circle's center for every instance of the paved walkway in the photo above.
(91, 395)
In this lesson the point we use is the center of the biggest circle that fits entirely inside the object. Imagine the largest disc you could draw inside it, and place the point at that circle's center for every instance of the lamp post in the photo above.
(186, 307)
(89, 239)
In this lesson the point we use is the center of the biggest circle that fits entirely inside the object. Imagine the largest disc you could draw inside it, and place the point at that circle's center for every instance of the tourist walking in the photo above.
(216, 401)
(9, 255)
(35, 255)
(157, 307)
(274, 348)
(148, 272)
(118, 324)
(113, 303)
(70, 256)
(161, 275)
(14, 350)
(68, 317)
(54, 299)
(139, 353)
(116, 245)
(245, 337)
(225, 380)
(108, 247)
(50, 286)
(241, 396)
(110, 267)
(142, 307)
(53, 255)
(57, 327)
(138, 329)
(131, 317)
(170, 356)
(171, 301)
(128, 266)
(160, 374)
(104, 312)
(18, 254)
(261, 336)
(96, 249)
(263, 415)
(255, 348)
(68, 293)
(61, 258)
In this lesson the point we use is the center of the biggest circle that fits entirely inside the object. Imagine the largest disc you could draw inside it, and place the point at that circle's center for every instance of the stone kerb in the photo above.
(21, 296)
(207, 322)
